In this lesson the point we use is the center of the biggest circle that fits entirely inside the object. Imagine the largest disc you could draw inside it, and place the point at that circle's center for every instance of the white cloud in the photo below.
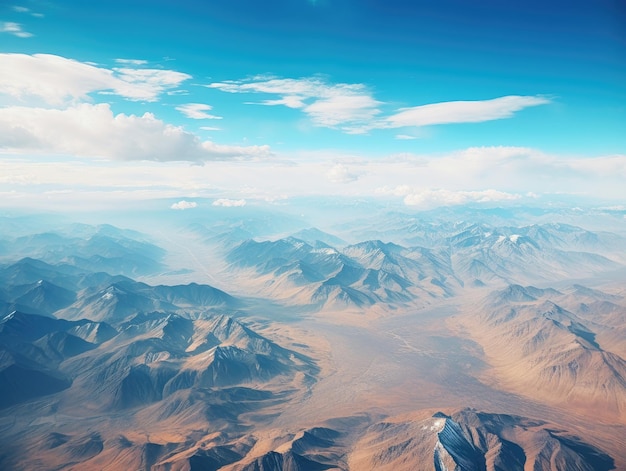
(182, 205)
(431, 198)
(405, 137)
(288, 101)
(462, 111)
(228, 203)
(56, 79)
(197, 111)
(88, 130)
(349, 106)
(498, 175)
(339, 173)
(15, 29)
(342, 110)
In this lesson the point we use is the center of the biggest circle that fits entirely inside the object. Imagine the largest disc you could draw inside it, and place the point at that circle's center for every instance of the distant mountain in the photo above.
(103, 248)
(70, 292)
(516, 258)
(30, 271)
(358, 275)
(116, 301)
(313, 236)
(313, 272)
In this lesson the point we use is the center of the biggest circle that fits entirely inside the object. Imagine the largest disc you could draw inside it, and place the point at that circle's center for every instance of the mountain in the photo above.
(456, 255)
(22, 379)
(114, 303)
(29, 271)
(33, 346)
(516, 258)
(124, 297)
(542, 350)
(337, 357)
(360, 275)
(102, 248)
(43, 296)
(160, 369)
(70, 292)
(474, 441)
(314, 236)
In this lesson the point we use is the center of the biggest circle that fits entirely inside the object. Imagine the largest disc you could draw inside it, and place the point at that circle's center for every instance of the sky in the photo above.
(234, 102)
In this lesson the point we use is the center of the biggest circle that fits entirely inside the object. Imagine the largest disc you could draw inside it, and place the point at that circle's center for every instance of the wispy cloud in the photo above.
(56, 79)
(197, 111)
(21, 9)
(341, 105)
(88, 130)
(353, 109)
(15, 29)
(462, 111)
(131, 61)
(182, 205)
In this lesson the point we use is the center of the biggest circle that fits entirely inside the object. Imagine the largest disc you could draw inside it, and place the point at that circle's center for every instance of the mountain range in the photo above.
(415, 343)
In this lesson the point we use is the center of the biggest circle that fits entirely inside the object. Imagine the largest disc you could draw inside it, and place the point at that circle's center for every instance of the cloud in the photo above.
(15, 29)
(88, 130)
(21, 9)
(228, 203)
(353, 109)
(432, 198)
(346, 110)
(344, 105)
(197, 111)
(56, 79)
(489, 175)
(339, 173)
(405, 137)
(131, 61)
(462, 111)
(182, 205)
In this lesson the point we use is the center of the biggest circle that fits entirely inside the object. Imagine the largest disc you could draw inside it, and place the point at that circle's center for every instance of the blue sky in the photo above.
(427, 101)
